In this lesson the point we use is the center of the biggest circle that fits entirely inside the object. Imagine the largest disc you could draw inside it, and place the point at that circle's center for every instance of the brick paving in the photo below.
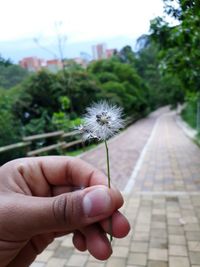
(163, 205)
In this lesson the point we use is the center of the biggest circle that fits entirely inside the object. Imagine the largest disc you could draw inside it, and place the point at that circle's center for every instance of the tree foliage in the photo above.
(179, 45)
(124, 86)
(10, 74)
(179, 51)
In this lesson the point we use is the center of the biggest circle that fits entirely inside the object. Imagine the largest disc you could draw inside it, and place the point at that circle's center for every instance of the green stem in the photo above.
(108, 164)
(109, 183)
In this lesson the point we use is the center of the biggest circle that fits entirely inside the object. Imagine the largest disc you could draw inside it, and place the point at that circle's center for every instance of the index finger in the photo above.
(43, 174)
(50, 175)
(64, 170)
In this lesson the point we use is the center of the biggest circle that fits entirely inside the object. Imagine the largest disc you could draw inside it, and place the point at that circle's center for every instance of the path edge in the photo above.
(130, 184)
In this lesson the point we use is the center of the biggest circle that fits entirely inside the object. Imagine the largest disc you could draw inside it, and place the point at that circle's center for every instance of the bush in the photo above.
(10, 130)
(189, 113)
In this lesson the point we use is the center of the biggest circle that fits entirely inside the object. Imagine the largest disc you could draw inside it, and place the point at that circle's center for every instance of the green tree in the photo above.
(121, 84)
(10, 130)
(126, 55)
(164, 87)
(40, 92)
(10, 74)
(83, 89)
(179, 45)
(5, 62)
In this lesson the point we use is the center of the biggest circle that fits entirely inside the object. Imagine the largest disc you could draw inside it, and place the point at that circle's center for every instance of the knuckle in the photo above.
(66, 210)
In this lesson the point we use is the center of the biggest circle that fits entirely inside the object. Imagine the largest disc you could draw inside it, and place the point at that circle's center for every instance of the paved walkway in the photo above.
(162, 199)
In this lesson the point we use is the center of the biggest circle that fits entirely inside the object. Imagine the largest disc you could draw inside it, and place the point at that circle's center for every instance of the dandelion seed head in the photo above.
(102, 121)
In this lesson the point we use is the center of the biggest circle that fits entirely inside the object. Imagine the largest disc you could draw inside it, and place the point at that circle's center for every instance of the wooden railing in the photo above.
(28, 141)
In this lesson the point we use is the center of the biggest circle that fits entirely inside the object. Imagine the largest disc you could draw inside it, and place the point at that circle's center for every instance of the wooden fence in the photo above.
(28, 141)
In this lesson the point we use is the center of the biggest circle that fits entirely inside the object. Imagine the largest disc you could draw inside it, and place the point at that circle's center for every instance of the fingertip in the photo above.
(97, 242)
(120, 225)
(102, 249)
(79, 241)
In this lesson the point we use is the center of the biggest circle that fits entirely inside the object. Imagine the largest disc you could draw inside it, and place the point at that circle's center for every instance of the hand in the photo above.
(46, 197)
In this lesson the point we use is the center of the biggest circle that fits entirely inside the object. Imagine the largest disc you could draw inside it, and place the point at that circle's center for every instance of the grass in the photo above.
(189, 114)
(198, 139)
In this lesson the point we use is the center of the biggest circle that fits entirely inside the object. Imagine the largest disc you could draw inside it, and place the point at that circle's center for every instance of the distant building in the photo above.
(80, 61)
(32, 63)
(77, 60)
(110, 52)
(99, 51)
(54, 65)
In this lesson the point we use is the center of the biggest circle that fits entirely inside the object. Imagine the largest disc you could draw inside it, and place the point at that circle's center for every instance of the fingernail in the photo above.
(96, 202)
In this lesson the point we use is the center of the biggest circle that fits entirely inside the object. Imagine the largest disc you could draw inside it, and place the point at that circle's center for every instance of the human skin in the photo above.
(46, 197)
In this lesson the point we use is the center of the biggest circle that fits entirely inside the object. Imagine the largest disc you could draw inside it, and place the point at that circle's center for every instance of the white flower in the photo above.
(87, 134)
(101, 121)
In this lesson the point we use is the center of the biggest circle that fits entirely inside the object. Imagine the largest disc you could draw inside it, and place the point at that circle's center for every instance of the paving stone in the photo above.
(158, 233)
(177, 239)
(192, 227)
(175, 230)
(137, 259)
(95, 264)
(56, 262)
(53, 245)
(158, 243)
(158, 218)
(121, 252)
(63, 252)
(194, 257)
(158, 225)
(77, 260)
(193, 236)
(142, 227)
(67, 242)
(178, 262)
(45, 255)
(177, 250)
(124, 241)
(157, 264)
(191, 219)
(194, 246)
(140, 236)
(139, 247)
(173, 221)
(37, 264)
(173, 215)
(158, 254)
(117, 262)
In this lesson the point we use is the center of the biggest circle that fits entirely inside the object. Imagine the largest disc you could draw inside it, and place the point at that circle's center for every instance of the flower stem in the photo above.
(109, 183)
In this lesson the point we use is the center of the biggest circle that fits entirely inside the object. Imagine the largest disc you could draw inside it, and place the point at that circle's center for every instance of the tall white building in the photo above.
(99, 51)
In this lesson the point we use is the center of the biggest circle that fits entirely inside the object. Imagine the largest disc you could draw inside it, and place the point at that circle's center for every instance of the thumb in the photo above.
(70, 211)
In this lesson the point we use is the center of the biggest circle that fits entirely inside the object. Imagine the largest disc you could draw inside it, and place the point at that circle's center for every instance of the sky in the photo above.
(82, 22)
